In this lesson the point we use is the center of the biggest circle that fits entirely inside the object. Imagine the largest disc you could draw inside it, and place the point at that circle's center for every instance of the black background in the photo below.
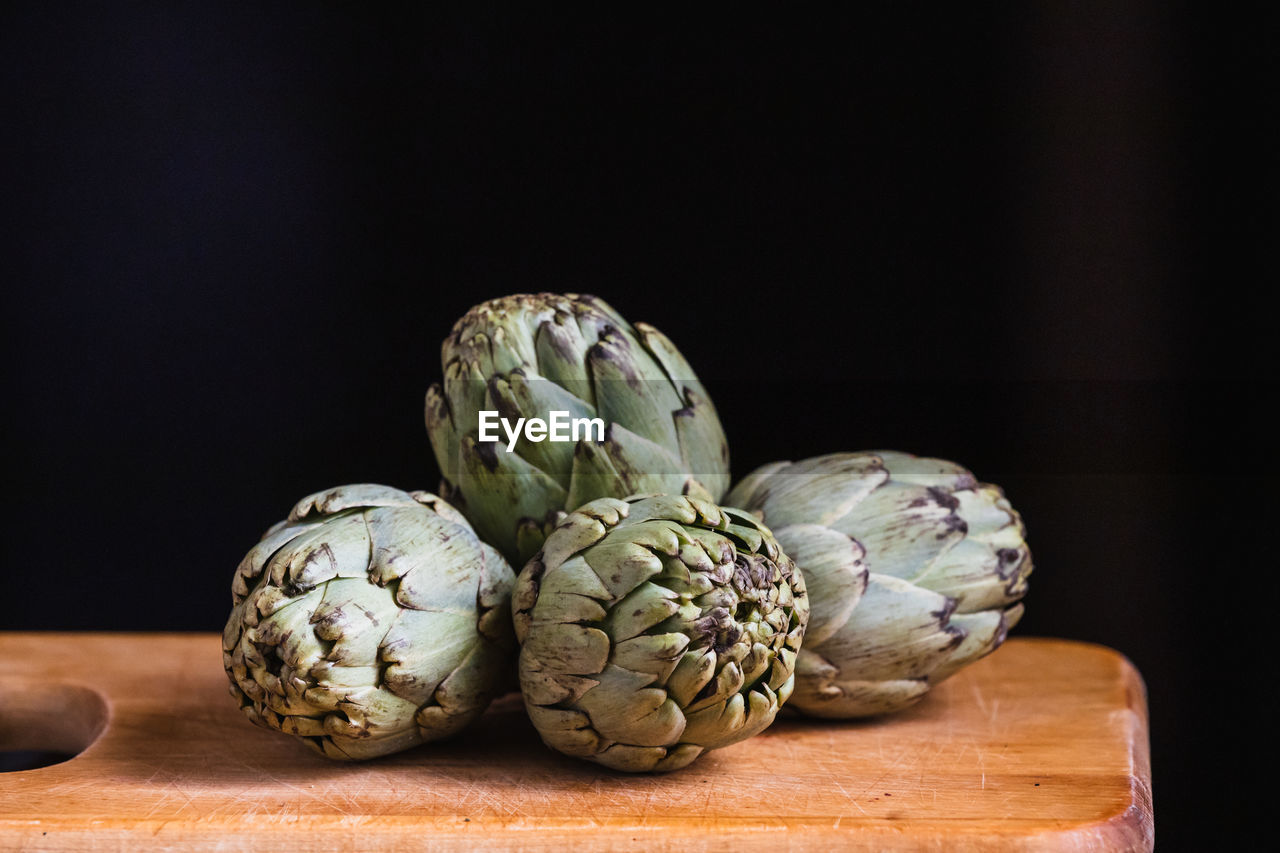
(1027, 241)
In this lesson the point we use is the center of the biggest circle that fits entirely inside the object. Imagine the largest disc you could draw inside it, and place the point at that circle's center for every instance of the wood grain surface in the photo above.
(1041, 746)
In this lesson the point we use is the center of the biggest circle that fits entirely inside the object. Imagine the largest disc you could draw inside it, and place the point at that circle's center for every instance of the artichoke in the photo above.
(529, 355)
(654, 628)
(372, 620)
(938, 560)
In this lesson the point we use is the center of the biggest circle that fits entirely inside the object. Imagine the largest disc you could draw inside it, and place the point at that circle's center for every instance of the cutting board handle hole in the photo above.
(43, 724)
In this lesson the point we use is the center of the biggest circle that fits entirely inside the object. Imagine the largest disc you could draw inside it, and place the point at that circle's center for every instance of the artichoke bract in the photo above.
(527, 356)
(654, 628)
(370, 621)
(916, 569)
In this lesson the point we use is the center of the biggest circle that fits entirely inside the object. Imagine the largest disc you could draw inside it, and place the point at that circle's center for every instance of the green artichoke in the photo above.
(529, 355)
(372, 620)
(654, 628)
(938, 560)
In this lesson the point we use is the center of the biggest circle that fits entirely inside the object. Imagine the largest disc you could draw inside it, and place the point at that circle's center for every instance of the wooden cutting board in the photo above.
(1042, 745)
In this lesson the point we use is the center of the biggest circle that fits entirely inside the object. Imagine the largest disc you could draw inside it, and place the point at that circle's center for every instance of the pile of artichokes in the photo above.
(644, 608)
